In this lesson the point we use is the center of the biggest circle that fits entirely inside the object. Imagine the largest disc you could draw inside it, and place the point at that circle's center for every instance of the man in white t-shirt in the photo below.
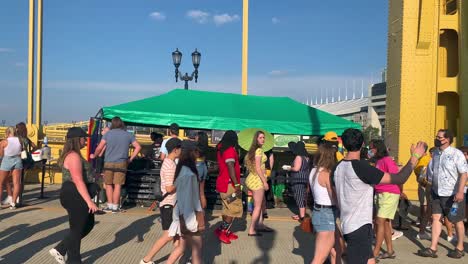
(448, 171)
(173, 133)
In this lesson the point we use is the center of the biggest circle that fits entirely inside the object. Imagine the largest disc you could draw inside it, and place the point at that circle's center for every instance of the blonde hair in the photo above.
(10, 131)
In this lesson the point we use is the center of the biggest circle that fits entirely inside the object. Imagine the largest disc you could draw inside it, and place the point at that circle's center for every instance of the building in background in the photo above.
(367, 111)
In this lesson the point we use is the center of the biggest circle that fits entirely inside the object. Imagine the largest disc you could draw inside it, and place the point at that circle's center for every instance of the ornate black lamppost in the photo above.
(177, 58)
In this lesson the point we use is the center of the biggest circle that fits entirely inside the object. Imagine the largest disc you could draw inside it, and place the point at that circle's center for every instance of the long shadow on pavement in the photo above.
(24, 253)
(135, 230)
(265, 243)
(305, 244)
(15, 212)
(27, 232)
(212, 247)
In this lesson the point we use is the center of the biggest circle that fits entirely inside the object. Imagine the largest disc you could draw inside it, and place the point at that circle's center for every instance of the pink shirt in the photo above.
(386, 164)
(168, 169)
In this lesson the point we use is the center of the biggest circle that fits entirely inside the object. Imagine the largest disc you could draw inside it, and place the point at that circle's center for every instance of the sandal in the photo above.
(427, 252)
(387, 255)
(295, 217)
(456, 254)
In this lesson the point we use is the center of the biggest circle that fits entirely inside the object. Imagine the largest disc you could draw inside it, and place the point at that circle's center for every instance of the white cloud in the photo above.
(275, 20)
(198, 16)
(225, 18)
(6, 50)
(158, 16)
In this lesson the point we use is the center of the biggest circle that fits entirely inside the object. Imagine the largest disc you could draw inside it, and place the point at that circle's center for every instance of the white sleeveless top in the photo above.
(319, 192)
(14, 147)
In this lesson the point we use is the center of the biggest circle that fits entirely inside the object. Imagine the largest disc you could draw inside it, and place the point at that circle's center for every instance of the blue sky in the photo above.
(98, 53)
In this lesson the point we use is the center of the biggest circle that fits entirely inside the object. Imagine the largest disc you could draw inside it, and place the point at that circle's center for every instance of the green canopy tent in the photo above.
(224, 111)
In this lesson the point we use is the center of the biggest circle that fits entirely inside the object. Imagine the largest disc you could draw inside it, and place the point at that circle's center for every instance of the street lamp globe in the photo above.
(177, 57)
(196, 56)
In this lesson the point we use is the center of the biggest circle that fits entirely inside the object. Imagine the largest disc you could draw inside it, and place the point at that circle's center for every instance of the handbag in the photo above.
(306, 224)
(200, 216)
(26, 156)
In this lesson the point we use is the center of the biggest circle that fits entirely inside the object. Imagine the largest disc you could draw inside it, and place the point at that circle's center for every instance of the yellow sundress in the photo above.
(253, 181)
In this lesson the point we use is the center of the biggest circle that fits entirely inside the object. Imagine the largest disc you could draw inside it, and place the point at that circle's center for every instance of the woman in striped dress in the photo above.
(300, 170)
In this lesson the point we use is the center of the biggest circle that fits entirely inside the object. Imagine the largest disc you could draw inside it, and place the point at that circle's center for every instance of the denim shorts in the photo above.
(324, 219)
(10, 163)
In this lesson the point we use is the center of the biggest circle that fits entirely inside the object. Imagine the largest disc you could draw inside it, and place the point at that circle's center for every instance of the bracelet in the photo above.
(416, 155)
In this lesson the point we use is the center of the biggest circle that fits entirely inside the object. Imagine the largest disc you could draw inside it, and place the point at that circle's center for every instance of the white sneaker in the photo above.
(452, 239)
(396, 234)
(423, 236)
(12, 206)
(143, 262)
(7, 200)
(58, 257)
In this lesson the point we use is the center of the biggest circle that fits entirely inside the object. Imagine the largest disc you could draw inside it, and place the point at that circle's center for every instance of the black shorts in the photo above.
(443, 204)
(359, 245)
(166, 216)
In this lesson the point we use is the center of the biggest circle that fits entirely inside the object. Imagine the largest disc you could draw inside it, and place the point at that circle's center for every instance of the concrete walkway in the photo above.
(26, 235)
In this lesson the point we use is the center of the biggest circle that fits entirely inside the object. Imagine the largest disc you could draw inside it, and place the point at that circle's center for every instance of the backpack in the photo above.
(26, 156)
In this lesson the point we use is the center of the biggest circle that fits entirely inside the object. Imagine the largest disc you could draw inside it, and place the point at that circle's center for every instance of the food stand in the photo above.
(192, 109)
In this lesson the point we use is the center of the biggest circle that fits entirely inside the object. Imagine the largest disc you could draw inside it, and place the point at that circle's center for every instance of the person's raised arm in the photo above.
(73, 164)
(401, 177)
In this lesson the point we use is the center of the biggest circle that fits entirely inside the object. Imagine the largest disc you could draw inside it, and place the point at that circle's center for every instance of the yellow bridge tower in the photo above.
(427, 85)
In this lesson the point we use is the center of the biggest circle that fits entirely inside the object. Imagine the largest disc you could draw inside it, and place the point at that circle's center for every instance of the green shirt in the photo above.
(86, 169)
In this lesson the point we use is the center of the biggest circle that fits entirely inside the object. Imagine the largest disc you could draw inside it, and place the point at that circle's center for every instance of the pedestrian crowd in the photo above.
(353, 196)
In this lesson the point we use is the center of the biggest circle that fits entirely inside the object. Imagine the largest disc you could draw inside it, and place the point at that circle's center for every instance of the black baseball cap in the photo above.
(172, 144)
(76, 132)
(189, 145)
(192, 134)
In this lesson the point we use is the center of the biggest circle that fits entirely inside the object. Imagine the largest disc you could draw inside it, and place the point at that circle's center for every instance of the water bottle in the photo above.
(454, 209)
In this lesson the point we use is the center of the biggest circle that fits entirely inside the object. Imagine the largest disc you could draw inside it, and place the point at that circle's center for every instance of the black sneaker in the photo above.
(107, 209)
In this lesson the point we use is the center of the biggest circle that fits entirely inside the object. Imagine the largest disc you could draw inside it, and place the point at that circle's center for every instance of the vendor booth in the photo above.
(192, 109)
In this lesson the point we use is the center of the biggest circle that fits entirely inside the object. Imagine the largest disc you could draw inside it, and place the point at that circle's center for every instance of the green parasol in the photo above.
(246, 137)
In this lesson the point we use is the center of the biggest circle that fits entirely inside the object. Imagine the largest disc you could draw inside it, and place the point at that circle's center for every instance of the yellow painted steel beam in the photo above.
(31, 63)
(39, 65)
(245, 45)
(463, 6)
(427, 69)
